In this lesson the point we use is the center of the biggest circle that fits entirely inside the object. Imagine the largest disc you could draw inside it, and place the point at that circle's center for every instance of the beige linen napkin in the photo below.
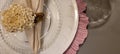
(38, 8)
(34, 33)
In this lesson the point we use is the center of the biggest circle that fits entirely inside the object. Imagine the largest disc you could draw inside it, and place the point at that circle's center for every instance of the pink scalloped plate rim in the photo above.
(82, 29)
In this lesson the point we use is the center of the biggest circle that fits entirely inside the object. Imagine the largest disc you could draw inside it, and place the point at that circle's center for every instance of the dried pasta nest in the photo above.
(17, 18)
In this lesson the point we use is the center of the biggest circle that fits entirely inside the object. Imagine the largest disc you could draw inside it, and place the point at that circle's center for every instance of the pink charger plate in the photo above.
(82, 31)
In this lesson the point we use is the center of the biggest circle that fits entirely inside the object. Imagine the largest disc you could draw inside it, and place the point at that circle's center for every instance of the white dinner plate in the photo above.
(59, 29)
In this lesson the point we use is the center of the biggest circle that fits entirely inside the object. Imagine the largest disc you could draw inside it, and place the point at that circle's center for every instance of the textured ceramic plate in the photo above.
(64, 22)
(59, 28)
